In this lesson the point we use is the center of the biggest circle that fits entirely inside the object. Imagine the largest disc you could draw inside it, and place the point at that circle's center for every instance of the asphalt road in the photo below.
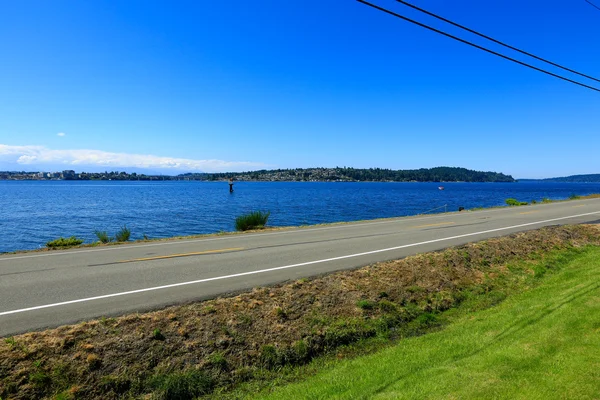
(48, 289)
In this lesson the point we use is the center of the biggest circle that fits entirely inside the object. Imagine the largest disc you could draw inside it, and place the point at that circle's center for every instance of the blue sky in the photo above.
(182, 86)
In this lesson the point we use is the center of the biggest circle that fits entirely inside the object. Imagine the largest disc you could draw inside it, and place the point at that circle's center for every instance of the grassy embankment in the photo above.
(541, 344)
(280, 334)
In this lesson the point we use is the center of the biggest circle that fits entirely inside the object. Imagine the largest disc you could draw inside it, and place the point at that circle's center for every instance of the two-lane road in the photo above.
(39, 290)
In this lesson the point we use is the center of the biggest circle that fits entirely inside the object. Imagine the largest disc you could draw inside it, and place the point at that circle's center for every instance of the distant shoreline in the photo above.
(438, 174)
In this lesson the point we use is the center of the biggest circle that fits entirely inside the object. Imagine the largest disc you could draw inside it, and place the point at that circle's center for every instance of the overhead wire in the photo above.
(592, 4)
(477, 46)
(495, 40)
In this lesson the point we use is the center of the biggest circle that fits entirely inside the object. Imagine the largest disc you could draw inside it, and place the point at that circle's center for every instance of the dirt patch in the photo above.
(227, 340)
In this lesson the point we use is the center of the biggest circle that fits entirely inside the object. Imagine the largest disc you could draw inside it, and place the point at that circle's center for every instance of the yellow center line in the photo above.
(440, 224)
(581, 205)
(528, 212)
(198, 253)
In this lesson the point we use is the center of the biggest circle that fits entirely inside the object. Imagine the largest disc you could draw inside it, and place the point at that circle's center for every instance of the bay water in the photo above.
(34, 212)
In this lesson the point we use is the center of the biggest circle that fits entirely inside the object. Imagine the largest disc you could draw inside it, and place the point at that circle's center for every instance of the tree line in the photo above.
(438, 174)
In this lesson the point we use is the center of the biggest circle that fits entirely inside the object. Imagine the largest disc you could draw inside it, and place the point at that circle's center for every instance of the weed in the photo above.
(387, 306)
(419, 289)
(93, 362)
(348, 331)
(253, 220)
(61, 396)
(60, 375)
(103, 236)
(107, 321)
(366, 304)
(10, 341)
(40, 379)
(182, 386)
(210, 310)
(218, 361)
(115, 384)
(574, 197)
(123, 234)
(280, 313)
(546, 200)
(268, 356)
(157, 335)
(302, 350)
(245, 319)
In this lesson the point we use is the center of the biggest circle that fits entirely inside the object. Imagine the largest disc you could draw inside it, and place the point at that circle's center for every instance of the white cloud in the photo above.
(40, 155)
(61, 134)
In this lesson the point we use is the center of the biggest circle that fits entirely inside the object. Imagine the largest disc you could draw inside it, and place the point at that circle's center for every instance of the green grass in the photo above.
(253, 220)
(541, 344)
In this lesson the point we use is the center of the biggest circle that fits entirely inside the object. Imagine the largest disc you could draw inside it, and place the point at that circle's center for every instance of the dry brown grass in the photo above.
(230, 336)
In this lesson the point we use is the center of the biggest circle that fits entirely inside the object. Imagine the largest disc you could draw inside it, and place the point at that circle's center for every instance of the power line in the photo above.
(592, 4)
(477, 46)
(496, 41)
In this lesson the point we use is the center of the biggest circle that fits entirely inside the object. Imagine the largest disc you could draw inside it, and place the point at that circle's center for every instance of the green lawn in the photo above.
(540, 344)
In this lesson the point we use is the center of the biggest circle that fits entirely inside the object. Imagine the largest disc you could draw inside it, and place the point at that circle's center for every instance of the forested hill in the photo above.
(576, 178)
(438, 174)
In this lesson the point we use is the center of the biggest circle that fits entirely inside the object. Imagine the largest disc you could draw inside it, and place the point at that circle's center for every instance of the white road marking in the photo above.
(284, 267)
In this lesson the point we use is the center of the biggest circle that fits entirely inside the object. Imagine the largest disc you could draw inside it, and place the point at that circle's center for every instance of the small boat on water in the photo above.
(441, 187)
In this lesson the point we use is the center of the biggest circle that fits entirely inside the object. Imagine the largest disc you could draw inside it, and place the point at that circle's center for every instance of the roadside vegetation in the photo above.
(253, 220)
(235, 346)
(103, 236)
(539, 344)
(515, 202)
(62, 242)
(123, 234)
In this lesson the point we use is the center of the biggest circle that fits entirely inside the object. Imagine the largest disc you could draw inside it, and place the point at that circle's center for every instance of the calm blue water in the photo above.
(33, 212)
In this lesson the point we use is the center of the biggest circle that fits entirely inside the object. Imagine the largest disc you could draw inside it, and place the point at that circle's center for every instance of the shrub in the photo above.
(280, 313)
(62, 242)
(574, 197)
(347, 331)
(269, 357)
(387, 306)
(218, 361)
(103, 236)
(253, 220)
(123, 234)
(157, 335)
(40, 379)
(366, 304)
(515, 202)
